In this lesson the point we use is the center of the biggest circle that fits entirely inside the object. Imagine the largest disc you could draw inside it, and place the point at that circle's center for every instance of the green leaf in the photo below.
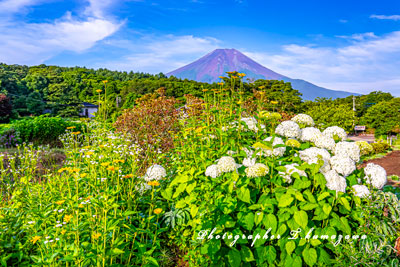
(152, 260)
(244, 194)
(290, 246)
(323, 195)
(193, 210)
(345, 203)
(324, 256)
(271, 254)
(326, 208)
(310, 256)
(270, 221)
(309, 206)
(190, 187)
(301, 218)
(285, 201)
(234, 258)
(246, 254)
(299, 196)
(117, 251)
(179, 190)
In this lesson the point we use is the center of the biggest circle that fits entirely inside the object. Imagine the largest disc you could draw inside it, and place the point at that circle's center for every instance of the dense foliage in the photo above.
(245, 172)
(61, 90)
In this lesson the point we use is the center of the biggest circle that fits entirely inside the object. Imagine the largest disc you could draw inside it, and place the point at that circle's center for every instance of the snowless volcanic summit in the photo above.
(218, 62)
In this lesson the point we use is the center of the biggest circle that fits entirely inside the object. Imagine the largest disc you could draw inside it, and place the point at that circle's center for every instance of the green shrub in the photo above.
(380, 147)
(43, 129)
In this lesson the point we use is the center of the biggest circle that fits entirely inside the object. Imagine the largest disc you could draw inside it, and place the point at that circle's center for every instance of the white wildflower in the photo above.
(257, 170)
(291, 169)
(142, 187)
(288, 129)
(361, 190)
(349, 149)
(343, 165)
(212, 171)
(375, 175)
(313, 154)
(226, 164)
(310, 134)
(334, 181)
(336, 133)
(248, 162)
(155, 172)
(303, 120)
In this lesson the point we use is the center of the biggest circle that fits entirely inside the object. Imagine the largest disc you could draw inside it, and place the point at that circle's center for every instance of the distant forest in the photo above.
(61, 90)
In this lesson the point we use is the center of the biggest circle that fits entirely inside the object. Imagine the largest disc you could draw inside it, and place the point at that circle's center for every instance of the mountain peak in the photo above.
(216, 63)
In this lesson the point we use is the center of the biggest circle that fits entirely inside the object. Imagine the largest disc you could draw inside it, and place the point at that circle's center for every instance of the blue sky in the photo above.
(348, 45)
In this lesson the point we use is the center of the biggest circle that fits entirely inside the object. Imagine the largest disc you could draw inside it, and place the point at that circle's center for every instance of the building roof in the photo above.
(89, 105)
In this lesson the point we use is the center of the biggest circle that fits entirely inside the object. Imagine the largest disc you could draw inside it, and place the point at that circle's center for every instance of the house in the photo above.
(89, 110)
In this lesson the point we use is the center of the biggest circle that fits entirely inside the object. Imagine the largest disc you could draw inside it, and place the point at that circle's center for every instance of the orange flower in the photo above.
(157, 211)
(153, 183)
(105, 81)
(96, 235)
(221, 77)
(112, 168)
(75, 133)
(35, 239)
(99, 90)
(128, 176)
(104, 164)
(67, 218)
(71, 127)
(60, 202)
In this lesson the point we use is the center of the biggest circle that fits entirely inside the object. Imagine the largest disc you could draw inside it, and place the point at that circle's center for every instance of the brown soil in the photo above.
(391, 163)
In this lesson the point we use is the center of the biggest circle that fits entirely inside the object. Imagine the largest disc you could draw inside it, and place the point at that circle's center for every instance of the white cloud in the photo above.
(33, 43)
(13, 6)
(362, 66)
(390, 17)
(358, 36)
(162, 54)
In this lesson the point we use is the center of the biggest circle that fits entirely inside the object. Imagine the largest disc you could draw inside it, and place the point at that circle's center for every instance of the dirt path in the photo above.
(391, 163)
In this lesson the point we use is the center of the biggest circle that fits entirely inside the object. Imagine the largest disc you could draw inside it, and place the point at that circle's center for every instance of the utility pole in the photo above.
(354, 113)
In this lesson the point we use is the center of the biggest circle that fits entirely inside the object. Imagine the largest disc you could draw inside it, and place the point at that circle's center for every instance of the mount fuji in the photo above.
(218, 62)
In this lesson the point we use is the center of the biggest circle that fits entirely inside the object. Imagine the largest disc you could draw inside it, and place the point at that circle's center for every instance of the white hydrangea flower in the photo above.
(361, 190)
(335, 130)
(310, 134)
(288, 129)
(303, 120)
(349, 149)
(375, 175)
(324, 141)
(291, 169)
(212, 171)
(257, 170)
(313, 154)
(226, 164)
(248, 162)
(334, 181)
(343, 165)
(155, 172)
(248, 152)
(251, 122)
(278, 151)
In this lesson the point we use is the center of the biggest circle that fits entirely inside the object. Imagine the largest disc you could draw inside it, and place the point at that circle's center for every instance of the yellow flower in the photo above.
(205, 90)
(112, 168)
(221, 77)
(60, 202)
(35, 239)
(220, 83)
(63, 232)
(76, 133)
(74, 170)
(240, 102)
(96, 235)
(262, 93)
(104, 164)
(118, 161)
(80, 206)
(157, 211)
(99, 90)
(234, 77)
(105, 81)
(274, 102)
(61, 170)
(101, 146)
(71, 127)
(153, 183)
(67, 218)
(128, 176)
